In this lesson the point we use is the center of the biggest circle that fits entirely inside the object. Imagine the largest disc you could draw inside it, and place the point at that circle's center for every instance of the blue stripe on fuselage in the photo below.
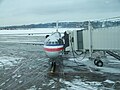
(54, 44)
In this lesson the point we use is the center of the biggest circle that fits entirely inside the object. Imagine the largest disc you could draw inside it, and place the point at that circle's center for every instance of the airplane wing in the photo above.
(19, 38)
(33, 43)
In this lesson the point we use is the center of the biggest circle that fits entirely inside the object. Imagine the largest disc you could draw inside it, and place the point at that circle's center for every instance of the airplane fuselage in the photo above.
(53, 45)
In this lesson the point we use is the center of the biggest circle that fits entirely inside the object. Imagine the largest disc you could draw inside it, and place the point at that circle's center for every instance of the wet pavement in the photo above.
(24, 66)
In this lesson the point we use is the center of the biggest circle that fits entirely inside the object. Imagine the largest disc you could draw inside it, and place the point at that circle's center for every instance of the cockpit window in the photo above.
(56, 42)
(49, 42)
(52, 42)
(60, 41)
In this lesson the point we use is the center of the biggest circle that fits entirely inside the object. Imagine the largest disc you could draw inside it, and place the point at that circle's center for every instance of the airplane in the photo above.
(53, 47)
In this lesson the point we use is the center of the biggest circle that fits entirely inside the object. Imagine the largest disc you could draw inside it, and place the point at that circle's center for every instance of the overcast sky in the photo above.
(19, 12)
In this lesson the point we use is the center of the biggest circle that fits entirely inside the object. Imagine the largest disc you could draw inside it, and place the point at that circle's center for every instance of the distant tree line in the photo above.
(95, 24)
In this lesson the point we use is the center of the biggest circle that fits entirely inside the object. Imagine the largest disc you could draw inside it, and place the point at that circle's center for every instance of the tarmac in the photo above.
(24, 66)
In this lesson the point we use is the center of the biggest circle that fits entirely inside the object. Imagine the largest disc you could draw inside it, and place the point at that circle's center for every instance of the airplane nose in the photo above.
(52, 54)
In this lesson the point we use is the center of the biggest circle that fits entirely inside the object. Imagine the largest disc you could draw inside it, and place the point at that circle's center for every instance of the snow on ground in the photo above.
(9, 61)
(77, 84)
(36, 30)
(109, 81)
(107, 67)
(34, 88)
(25, 42)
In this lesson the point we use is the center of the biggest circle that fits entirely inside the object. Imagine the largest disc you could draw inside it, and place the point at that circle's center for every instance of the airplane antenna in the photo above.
(57, 26)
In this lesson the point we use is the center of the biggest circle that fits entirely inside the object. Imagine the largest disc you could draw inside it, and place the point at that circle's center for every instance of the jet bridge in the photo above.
(101, 39)
(94, 39)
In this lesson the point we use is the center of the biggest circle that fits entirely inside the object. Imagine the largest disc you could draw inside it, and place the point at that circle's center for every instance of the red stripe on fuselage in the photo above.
(53, 49)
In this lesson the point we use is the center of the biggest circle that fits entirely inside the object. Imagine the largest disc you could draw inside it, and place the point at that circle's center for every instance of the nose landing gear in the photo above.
(53, 67)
